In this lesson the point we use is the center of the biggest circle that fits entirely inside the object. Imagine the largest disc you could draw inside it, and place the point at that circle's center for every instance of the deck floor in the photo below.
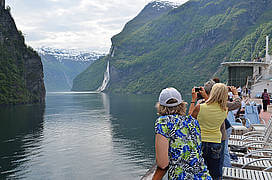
(264, 115)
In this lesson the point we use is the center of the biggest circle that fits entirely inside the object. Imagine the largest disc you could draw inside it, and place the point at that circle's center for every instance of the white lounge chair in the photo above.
(253, 138)
(256, 144)
(252, 163)
(246, 174)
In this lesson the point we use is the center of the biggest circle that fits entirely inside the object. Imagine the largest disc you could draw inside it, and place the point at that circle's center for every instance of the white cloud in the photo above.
(73, 23)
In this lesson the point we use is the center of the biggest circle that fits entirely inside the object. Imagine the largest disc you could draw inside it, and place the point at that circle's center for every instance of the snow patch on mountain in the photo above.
(161, 4)
(71, 54)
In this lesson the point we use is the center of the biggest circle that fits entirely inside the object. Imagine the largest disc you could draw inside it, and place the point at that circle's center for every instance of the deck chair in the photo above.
(253, 163)
(265, 153)
(237, 126)
(251, 167)
(259, 153)
(255, 143)
(246, 174)
(254, 135)
(253, 121)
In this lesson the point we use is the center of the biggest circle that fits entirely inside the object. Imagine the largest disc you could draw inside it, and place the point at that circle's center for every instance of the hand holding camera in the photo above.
(197, 89)
(201, 93)
(198, 92)
(194, 95)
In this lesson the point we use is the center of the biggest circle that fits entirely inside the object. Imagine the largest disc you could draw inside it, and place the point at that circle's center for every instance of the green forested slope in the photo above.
(91, 78)
(185, 46)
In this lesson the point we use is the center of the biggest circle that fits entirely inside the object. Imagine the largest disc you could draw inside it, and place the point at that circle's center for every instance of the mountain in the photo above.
(21, 71)
(61, 66)
(182, 47)
(92, 78)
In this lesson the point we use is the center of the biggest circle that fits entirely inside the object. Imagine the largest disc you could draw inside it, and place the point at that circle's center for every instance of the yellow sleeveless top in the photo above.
(210, 118)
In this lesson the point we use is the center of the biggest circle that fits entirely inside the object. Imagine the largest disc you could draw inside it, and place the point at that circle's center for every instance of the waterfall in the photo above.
(67, 80)
(106, 79)
(112, 54)
(107, 73)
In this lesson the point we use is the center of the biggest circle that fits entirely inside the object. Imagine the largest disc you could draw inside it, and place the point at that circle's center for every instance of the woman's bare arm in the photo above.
(159, 173)
(192, 104)
(196, 111)
(236, 103)
(161, 147)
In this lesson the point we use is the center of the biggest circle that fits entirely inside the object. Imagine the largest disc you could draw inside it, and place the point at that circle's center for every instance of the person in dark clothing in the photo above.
(266, 100)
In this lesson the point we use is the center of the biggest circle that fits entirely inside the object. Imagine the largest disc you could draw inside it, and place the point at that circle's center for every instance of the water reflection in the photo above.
(106, 102)
(21, 133)
(78, 136)
(132, 121)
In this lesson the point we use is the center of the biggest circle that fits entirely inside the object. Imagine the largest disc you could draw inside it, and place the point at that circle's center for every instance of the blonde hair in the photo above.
(164, 110)
(219, 94)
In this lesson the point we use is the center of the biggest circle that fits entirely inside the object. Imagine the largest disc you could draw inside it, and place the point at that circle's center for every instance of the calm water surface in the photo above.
(78, 136)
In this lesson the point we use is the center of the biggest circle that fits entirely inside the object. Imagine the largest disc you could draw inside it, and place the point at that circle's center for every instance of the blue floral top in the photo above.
(185, 155)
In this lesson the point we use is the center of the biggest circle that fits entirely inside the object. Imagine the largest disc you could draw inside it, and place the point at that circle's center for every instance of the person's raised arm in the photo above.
(192, 104)
(204, 94)
(196, 111)
(236, 103)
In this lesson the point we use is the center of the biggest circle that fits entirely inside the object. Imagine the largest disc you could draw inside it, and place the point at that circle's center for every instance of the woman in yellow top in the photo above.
(211, 116)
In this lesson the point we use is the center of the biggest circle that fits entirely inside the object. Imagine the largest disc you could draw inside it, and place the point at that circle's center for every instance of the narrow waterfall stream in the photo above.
(106, 79)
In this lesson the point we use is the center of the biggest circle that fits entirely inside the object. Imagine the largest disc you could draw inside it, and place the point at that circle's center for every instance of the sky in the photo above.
(74, 24)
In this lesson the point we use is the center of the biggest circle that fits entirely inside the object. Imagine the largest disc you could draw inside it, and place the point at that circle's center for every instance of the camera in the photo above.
(197, 89)
(199, 96)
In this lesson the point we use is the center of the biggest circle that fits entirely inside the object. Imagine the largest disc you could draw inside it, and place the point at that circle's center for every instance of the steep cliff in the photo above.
(186, 45)
(21, 71)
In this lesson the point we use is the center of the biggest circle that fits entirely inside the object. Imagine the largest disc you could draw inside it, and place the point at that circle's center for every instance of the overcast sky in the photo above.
(77, 24)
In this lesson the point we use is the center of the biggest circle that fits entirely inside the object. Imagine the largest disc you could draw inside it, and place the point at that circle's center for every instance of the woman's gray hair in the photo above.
(208, 86)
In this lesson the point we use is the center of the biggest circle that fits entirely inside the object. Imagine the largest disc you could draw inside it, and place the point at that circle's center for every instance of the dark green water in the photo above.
(78, 136)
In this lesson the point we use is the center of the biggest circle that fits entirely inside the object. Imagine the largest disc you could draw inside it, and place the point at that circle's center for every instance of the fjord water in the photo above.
(78, 136)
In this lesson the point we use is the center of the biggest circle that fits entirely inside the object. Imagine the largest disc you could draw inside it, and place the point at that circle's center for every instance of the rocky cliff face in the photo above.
(21, 71)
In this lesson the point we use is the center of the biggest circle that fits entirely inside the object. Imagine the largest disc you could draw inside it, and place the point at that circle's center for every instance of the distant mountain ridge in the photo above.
(181, 47)
(61, 66)
(71, 54)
